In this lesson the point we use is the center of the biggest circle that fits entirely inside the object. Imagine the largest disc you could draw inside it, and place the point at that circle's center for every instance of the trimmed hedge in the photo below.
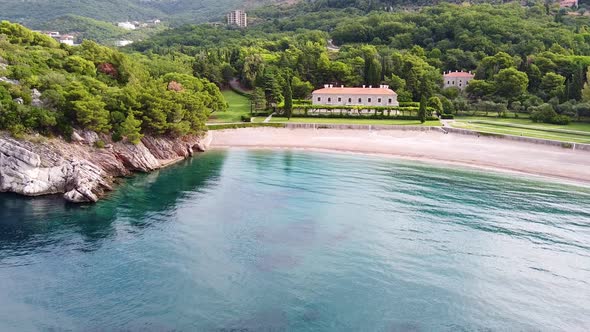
(447, 116)
(371, 116)
(301, 102)
(409, 104)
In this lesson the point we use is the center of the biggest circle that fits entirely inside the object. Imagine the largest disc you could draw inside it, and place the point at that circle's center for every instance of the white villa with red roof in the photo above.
(365, 96)
(459, 79)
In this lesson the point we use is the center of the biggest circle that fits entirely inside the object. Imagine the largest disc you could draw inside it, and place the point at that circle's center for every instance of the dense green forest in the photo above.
(526, 58)
(51, 88)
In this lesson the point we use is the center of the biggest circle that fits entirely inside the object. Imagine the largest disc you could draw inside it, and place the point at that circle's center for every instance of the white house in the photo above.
(459, 79)
(66, 39)
(365, 96)
(121, 43)
(126, 25)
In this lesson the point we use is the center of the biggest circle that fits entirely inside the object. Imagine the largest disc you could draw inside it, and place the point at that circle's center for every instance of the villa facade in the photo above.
(458, 79)
(365, 96)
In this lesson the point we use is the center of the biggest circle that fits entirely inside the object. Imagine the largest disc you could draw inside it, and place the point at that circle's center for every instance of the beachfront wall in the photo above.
(365, 96)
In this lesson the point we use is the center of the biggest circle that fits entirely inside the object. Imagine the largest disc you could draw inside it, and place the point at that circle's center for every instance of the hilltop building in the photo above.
(126, 25)
(365, 96)
(122, 43)
(52, 34)
(238, 18)
(458, 79)
(63, 39)
(66, 39)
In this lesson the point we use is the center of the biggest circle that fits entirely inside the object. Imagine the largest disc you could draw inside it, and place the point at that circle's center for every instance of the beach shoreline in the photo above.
(478, 153)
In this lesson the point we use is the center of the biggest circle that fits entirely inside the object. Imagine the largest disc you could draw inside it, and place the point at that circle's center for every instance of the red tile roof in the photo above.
(356, 91)
(459, 74)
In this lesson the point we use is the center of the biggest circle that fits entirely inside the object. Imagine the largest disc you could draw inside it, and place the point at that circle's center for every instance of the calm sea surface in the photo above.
(298, 241)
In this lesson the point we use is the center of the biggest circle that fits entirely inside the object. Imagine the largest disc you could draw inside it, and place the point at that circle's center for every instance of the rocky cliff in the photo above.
(78, 169)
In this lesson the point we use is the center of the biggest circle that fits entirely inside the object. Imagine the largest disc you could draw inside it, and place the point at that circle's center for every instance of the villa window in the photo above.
(369, 100)
(360, 100)
(448, 82)
(378, 100)
(350, 100)
(329, 100)
(319, 98)
(339, 99)
(389, 101)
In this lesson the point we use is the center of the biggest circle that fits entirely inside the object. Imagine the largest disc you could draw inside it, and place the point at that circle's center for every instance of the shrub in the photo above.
(117, 137)
(544, 113)
(447, 116)
(246, 118)
(561, 120)
(99, 144)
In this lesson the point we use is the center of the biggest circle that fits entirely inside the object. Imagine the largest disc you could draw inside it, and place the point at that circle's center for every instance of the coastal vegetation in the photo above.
(529, 59)
(51, 89)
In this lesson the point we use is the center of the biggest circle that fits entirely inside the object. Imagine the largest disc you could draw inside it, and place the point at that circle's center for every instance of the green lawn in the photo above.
(352, 121)
(238, 106)
(574, 126)
(531, 131)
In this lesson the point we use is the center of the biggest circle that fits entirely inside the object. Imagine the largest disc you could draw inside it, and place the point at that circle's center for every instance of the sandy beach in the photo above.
(430, 146)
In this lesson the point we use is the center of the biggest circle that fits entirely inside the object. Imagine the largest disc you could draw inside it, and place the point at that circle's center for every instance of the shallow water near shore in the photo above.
(301, 241)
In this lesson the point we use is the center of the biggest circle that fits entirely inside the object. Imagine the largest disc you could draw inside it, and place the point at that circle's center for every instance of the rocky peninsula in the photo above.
(80, 170)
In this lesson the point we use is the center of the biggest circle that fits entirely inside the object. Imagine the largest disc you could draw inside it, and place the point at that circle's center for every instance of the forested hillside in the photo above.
(524, 57)
(35, 13)
(51, 88)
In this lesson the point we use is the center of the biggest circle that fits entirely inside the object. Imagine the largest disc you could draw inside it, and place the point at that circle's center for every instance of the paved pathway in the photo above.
(267, 120)
(235, 85)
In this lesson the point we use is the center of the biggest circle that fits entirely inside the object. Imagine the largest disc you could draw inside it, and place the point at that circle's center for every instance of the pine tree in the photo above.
(130, 128)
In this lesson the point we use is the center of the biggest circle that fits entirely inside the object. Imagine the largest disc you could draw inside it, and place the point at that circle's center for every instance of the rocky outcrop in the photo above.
(82, 172)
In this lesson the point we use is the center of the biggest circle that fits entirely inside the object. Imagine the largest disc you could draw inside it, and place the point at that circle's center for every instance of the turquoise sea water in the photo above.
(298, 241)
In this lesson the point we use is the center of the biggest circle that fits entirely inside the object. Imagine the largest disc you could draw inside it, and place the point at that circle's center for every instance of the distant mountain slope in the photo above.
(33, 13)
(104, 10)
